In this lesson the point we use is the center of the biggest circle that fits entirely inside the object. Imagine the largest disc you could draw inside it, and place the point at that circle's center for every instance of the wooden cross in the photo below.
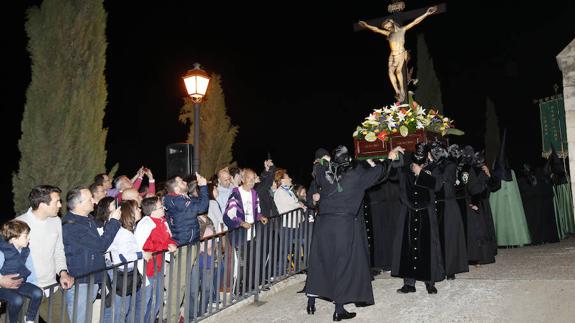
(400, 17)
(395, 8)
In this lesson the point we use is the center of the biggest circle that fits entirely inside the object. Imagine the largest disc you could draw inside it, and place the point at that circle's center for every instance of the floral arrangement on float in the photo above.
(400, 125)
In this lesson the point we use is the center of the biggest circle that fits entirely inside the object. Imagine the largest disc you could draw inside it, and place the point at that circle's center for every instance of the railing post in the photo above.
(261, 259)
(258, 262)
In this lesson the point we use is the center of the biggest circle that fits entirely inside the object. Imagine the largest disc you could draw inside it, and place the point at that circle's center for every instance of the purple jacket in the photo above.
(235, 202)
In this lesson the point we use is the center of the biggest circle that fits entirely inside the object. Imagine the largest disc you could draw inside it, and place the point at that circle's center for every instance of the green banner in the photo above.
(553, 128)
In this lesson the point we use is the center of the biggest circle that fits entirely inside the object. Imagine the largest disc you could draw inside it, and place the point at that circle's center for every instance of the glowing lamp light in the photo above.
(196, 81)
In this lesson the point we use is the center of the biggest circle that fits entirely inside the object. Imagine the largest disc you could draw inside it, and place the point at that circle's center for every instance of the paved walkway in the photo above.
(531, 284)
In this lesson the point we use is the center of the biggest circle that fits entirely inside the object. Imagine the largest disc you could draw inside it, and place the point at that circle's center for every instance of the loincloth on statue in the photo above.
(397, 58)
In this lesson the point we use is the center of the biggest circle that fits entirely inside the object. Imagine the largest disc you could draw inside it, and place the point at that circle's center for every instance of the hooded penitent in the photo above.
(556, 168)
(455, 152)
(468, 155)
(341, 161)
(501, 168)
(420, 154)
(438, 151)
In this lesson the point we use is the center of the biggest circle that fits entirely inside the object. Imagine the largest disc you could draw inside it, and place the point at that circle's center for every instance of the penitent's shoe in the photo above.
(431, 290)
(310, 309)
(343, 316)
(406, 289)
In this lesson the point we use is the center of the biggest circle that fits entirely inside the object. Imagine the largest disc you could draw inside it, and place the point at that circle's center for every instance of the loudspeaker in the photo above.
(179, 157)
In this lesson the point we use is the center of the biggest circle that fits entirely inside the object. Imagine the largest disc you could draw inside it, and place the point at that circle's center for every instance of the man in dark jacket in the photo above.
(182, 216)
(265, 190)
(85, 248)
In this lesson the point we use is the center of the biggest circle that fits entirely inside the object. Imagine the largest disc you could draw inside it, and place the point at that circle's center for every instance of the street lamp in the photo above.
(196, 81)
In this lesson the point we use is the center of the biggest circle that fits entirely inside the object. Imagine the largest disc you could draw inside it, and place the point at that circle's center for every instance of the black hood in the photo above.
(556, 168)
(438, 151)
(556, 165)
(340, 155)
(420, 154)
(455, 152)
(320, 152)
(468, 155)
(479, 159)
(501, 168)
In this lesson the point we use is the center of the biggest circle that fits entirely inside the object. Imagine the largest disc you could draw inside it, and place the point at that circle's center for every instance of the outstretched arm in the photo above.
(372, 28)
(419, 19)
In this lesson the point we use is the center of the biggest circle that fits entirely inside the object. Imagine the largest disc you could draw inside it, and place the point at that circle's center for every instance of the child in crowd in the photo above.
(15, 259)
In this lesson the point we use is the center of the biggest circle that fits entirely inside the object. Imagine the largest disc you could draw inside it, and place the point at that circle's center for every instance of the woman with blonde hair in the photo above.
(125, 250)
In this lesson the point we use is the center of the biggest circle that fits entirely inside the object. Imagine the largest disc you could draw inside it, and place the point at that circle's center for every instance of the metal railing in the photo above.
(219, 271)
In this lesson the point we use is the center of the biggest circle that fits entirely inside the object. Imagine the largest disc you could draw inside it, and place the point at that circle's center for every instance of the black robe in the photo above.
(451, 230)
(383, 207)
(461, 195)
(416, 248)
(537, 196)
(481, 239)
(339, 256)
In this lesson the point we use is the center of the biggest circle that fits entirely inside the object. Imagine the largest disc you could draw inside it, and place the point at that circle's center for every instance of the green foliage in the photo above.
(455, 132)
(428, 92)
(63, 140)
(114, 170)
(217, 134)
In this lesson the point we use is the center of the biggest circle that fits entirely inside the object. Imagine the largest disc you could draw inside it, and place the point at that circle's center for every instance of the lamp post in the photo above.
(196, 81)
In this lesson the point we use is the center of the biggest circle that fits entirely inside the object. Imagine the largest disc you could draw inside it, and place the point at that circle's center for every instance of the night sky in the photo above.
(297, 77)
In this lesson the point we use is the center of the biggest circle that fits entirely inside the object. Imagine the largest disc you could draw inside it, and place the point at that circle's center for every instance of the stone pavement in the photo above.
(530, 284)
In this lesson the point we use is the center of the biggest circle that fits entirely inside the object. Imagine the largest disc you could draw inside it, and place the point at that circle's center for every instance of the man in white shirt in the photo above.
(46, 246)
(243, 210)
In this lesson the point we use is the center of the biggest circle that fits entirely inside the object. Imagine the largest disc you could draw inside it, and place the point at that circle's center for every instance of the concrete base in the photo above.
(531, 284)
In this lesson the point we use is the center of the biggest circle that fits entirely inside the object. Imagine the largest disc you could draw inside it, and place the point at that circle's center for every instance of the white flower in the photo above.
(394, 108)
(391, 124)
(400, 116)
(420, 110)
(419, 125)
(371, 117)
(380, 111)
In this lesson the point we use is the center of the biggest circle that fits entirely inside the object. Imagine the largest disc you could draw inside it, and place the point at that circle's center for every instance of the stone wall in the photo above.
(566, 62)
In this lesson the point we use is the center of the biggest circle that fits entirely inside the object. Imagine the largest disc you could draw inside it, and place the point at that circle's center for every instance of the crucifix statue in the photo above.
(395, 34)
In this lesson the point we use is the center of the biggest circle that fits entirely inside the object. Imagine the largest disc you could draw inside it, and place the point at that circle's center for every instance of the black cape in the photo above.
(339, 256)
(451, 228)
(537, 196)
(383, 207)
(481, 239)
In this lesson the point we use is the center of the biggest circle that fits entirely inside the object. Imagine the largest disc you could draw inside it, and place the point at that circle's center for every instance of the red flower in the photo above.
(382, 135)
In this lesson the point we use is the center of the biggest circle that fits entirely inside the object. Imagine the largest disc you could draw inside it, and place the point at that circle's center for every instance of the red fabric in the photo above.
(158, 240)
(137, 183)
(151, 188)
